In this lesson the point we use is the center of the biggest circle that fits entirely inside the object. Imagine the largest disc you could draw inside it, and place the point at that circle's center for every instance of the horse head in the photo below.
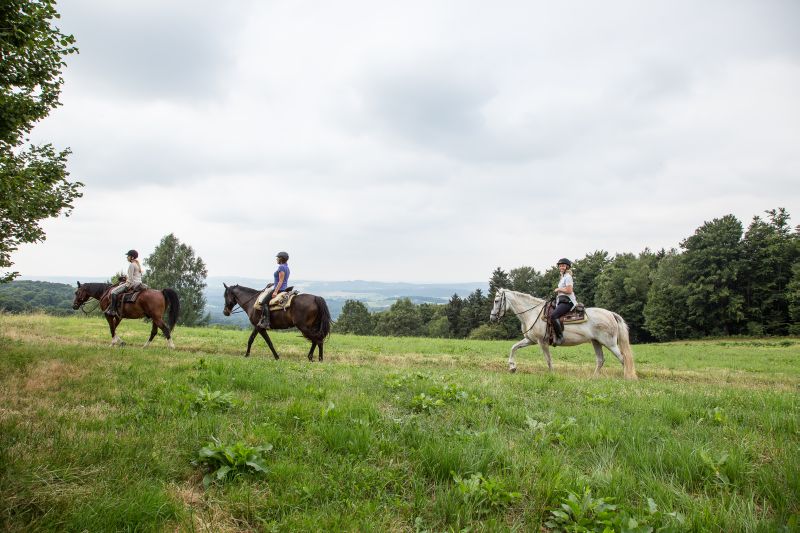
(499, 307)
(81, 296)
(230, 300)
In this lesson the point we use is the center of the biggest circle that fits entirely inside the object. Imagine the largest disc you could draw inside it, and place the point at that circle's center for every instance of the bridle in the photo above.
(236, 299)
(503, 307)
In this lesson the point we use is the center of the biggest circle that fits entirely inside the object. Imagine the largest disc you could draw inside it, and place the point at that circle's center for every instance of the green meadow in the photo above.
(390, 434)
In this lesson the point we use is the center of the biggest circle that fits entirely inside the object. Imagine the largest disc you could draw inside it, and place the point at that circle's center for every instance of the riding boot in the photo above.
(264, 322)
(559, 330)
(112, 307)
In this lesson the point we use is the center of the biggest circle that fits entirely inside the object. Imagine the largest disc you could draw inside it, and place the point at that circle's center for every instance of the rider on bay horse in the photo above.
(565, 299)
(132, 282)
(281, 282)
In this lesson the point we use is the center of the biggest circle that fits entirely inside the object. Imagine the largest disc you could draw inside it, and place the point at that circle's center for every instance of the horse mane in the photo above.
(96, 288)
(524, 296)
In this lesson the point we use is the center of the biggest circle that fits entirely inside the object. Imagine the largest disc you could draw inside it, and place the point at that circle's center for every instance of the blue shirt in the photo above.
(285, 269)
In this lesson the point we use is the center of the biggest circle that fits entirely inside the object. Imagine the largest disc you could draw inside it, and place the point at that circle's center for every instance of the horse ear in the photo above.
(223, 284)
(79, 284)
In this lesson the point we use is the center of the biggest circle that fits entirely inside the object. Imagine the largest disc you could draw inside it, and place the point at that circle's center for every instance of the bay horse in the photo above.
(308, 313)
(150, 303)
(602, 328)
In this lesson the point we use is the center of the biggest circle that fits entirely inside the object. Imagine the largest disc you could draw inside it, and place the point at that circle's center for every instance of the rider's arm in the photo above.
(281, 277)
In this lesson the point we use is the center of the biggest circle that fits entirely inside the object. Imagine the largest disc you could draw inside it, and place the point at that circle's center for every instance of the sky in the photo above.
(418, 141)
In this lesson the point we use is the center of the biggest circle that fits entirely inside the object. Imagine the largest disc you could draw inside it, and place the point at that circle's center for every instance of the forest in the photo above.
(723, 280)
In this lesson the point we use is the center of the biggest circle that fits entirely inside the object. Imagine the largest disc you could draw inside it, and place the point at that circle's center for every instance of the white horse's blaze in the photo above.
(603, 328)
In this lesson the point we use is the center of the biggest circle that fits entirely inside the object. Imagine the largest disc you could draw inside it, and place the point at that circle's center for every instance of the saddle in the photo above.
(576, 316)
(127, 297)
(282, 301)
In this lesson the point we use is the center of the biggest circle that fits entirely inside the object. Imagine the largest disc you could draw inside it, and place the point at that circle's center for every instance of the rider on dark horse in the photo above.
(565, 299)
(281, 282)
(132, 282)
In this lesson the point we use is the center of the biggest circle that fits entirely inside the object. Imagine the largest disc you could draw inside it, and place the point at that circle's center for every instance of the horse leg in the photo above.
(617, 352)
(269, 342)
(512, 365)
(157, 322)
(546, 351)
(311, 351)
(250, 341)
(598, 353)
(320, 351)
(112, 326)
(153, 332)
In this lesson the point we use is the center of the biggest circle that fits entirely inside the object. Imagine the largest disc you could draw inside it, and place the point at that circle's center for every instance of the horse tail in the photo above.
(624, 342)
(323, 322)
(171, 296)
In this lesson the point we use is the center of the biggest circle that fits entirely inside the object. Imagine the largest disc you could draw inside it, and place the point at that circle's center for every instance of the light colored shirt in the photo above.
(134, 274)
(566, 281)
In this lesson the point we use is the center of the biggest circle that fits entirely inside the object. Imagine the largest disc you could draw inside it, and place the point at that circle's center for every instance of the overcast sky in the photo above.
(420, 141)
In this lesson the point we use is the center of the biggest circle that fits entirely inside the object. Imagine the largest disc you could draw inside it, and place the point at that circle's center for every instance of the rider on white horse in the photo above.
(566, 299)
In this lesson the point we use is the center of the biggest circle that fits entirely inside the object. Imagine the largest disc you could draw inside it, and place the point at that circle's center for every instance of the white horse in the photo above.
(603, 328)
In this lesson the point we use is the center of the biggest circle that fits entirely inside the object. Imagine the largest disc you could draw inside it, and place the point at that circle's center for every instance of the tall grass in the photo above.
(388, 434)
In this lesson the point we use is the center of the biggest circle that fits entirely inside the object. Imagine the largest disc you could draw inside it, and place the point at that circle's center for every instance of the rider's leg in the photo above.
(111, 310)
(561, 309)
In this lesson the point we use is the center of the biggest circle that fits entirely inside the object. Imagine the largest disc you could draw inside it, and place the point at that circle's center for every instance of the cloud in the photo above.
(419, 141)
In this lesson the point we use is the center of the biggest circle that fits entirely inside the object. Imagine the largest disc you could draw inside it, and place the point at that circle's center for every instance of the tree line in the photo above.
(723, 280)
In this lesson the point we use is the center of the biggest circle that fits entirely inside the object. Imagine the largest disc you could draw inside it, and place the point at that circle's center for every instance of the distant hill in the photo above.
(22, 296)
(376, 295)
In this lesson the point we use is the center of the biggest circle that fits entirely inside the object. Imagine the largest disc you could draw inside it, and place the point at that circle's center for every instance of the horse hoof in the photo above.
(513, 370)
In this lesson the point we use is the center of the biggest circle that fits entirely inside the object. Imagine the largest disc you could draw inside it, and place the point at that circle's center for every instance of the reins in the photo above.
(241, 306)
(526, 310)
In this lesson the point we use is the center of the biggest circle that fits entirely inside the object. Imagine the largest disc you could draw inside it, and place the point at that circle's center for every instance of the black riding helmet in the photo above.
(564, 261)
(132, 253)
(283, 255)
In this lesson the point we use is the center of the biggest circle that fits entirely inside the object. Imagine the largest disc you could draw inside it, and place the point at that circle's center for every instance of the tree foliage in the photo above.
(173, 264)
(355, 318)
(33, 181)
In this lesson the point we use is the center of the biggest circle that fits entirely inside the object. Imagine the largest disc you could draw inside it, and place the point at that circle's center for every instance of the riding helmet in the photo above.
(283, 255)
(564, 261)
(132, 253)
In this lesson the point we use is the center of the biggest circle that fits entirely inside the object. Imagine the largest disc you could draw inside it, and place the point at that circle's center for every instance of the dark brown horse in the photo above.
(308, 313)
(150, 303)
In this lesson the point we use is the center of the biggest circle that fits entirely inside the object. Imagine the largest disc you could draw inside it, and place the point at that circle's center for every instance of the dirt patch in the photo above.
(48, 375)
(205, 513)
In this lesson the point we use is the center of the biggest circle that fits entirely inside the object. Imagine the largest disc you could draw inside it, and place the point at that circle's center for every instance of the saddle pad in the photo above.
(576, 316)
(282, 301)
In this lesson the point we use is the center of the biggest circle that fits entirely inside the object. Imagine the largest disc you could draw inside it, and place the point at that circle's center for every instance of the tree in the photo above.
(769, 250)
(665, 314)
(793, 296)
(713, 260)
(355, 318)
(33, 182)
(173, 264)
(526, 279)
(623, 287)
(453, 314)
(586, 271)
(400, 320)
(474, 313)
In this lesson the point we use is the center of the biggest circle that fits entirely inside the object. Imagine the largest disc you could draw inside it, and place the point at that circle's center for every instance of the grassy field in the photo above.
(390, 434)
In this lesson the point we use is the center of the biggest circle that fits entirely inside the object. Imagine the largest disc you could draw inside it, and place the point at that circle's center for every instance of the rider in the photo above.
(565, 299)
(133, 280)
(281, 282)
